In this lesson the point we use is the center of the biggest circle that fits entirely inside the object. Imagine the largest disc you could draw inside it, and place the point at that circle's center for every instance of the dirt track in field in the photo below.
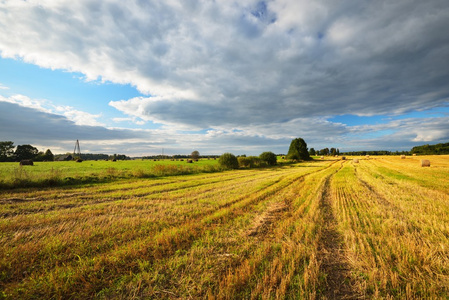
(337, 282)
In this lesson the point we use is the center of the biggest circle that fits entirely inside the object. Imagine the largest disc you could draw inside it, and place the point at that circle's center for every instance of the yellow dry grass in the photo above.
(325, 229)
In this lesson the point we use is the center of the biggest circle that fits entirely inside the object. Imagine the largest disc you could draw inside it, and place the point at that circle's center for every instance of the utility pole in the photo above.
(77, 151)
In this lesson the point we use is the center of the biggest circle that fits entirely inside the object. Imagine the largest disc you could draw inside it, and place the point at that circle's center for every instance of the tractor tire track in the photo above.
(336, 281)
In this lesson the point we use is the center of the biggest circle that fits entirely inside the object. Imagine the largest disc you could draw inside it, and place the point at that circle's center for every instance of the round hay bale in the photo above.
(367, 156)
(322, 157)
(355, 160)
(189, 161)
(425, 163)
(402, 156)
(343, 158)
(79, 160)
(414, 154)
(26, 162)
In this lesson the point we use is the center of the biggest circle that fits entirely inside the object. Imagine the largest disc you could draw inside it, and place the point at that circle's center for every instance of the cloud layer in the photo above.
(264, 68)
(43, 129)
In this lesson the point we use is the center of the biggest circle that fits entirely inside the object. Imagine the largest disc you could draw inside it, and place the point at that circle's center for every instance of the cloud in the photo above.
(250, 71)
(2, 87)
(27, 125)
(78, 117)
(267, 61)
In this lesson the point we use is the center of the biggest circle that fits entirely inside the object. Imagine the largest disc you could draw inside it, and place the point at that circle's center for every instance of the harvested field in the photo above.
(326, 229)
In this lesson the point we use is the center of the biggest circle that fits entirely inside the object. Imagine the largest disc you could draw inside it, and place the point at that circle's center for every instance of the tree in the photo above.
(6, 150)
(312, 152)
(195, 155)
(298, 150)
(333, 151)
(48, 156)
(268, 157)
(228, 161)
(25, 152)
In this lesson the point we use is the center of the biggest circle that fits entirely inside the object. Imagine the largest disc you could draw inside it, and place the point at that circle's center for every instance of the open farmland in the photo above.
(322, 229)
(69, 173)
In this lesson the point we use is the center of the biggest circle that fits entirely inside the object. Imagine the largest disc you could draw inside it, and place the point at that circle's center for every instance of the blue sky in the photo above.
(242, 77)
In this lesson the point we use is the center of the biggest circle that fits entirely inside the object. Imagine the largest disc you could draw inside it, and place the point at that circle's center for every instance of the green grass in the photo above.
(12, 175)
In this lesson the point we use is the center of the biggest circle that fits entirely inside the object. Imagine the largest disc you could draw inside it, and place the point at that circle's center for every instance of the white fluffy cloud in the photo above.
(261, 67)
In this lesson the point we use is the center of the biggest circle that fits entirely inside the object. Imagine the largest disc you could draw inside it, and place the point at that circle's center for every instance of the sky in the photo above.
(150, 77)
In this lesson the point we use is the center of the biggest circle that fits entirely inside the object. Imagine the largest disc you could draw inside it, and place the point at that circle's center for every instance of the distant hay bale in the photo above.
(189, 161)
(425, 163)
(355, 160)
(402, 156)
(196, 159)
(114, 159)
(414, 154)
(181, 160)
(343, 158)
(79, 160)
(367, 156)
(322, 157)
(26, 162)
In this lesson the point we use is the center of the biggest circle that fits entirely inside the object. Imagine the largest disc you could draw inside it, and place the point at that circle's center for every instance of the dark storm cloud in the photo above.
(27, 125)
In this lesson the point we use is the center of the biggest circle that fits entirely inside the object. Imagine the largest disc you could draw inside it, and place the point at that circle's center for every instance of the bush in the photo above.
(228, 161)
(255, 161)
(244, 162)
(269, 158)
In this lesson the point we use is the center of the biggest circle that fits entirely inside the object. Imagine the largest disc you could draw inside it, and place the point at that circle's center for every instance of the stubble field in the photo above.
(321, 229)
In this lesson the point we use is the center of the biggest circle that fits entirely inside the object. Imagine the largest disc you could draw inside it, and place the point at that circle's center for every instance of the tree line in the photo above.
(431, 149)
(10, 153)
(297, 151)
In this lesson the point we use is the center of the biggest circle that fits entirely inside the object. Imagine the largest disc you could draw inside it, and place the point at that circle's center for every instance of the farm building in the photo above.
(65, 158)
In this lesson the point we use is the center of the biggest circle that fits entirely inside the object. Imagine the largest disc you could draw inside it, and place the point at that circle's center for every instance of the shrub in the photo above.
(244, 162)
(255, 161)
(269, 158)
(228, 161)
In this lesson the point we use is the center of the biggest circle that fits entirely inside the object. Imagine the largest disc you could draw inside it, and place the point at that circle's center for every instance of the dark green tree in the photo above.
(6, 150)
(269, 158)
(228, 161)
(312, 152)
(298, 150)
(25, 152)
(48, 155)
